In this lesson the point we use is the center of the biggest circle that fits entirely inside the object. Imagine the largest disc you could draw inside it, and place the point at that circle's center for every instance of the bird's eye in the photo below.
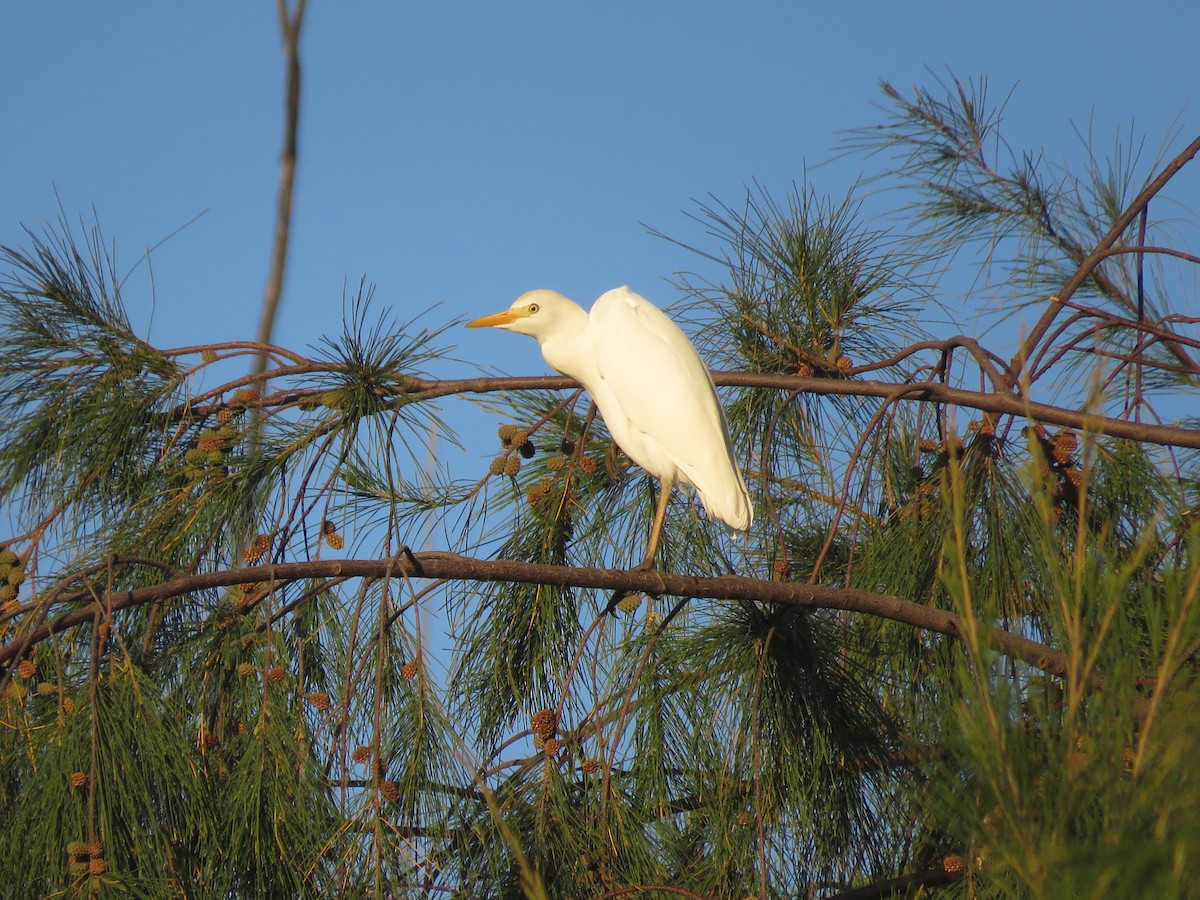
(533, 308)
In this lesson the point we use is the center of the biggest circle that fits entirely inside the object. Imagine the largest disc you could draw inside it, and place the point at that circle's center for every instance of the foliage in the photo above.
(230, 670)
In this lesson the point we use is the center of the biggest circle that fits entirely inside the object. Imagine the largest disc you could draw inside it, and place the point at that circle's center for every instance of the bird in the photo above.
(652, 389)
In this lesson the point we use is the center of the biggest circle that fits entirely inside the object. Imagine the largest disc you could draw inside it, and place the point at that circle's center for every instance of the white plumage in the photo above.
(650, 385)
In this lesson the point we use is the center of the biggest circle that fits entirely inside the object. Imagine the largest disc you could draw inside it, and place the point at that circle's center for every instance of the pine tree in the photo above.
(955, 654)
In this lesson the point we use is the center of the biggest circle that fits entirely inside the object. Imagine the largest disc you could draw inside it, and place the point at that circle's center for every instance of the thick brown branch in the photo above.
(452, 566)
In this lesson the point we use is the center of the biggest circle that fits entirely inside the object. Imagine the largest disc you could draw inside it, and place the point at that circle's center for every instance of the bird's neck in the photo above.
(569, 349)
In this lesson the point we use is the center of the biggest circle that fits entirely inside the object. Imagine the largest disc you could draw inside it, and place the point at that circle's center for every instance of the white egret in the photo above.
(650, 385)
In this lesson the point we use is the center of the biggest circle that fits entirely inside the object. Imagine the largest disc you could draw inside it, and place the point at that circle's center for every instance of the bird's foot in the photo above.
(627, 601)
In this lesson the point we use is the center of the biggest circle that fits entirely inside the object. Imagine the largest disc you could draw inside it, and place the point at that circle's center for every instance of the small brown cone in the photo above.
(257, 550)
(1065, 444)
(954, 864)
(27, 668)
(78, 779)
(276, 674)
(246, 669)
(335, 541)
(361, 754)
(390, 791)
(97, 866)
(590, 766)
(319, 699)
(545, 722)
(408, 671)
(553, 745)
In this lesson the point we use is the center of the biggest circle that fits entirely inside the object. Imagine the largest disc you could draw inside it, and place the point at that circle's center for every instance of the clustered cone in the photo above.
(590, 766)
(587, 465)
(319, 699)
(361, 754)
(276, 674)
(629, 602)
(545, 722)
(390, 791)
(27, 668)
(553, 745)
(12, 574)
(1065, 444)
(954, 864)
(246, 669)
(244, 397)
(257, 550)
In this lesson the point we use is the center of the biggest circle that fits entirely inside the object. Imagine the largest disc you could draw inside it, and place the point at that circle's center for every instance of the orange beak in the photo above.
(495, 320)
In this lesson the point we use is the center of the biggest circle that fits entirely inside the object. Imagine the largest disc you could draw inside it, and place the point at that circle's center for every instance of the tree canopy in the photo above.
(257, 640)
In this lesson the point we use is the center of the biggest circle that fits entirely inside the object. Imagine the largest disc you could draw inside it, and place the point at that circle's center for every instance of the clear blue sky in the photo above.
(461, 153)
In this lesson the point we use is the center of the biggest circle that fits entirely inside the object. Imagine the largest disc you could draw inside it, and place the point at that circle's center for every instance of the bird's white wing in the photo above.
(661, 406)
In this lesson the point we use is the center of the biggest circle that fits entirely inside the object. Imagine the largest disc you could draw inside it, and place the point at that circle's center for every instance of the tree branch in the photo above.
(440, 565)
(1097, 256)
(289, 27)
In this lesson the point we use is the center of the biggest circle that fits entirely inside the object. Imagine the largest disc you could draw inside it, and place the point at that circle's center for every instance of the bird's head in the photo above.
(536, 313)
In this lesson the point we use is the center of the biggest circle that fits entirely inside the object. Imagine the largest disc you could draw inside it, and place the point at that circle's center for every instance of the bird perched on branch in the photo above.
(650, 385)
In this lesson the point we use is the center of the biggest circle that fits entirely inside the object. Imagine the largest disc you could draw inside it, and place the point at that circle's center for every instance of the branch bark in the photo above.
(452, 566)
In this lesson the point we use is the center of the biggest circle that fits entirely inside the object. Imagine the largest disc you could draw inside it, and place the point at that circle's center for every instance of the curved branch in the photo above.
(443, 565)
(1101, 251)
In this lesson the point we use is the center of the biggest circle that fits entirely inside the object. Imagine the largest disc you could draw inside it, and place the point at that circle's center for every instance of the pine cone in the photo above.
(590, 766)
(319, 699)
(361, 754)
(545, 722)
(246, 669)
(390, 791)
(257, 550)
(408, 671)
(276, 674)
(553, 745)
(78, 779)
(27, 668)
(335, 541)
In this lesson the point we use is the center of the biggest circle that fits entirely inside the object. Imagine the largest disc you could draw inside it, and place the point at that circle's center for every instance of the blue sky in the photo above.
(462, 153)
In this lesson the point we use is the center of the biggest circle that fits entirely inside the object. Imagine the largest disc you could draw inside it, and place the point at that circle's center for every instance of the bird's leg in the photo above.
(660, 516)
(647, 564)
